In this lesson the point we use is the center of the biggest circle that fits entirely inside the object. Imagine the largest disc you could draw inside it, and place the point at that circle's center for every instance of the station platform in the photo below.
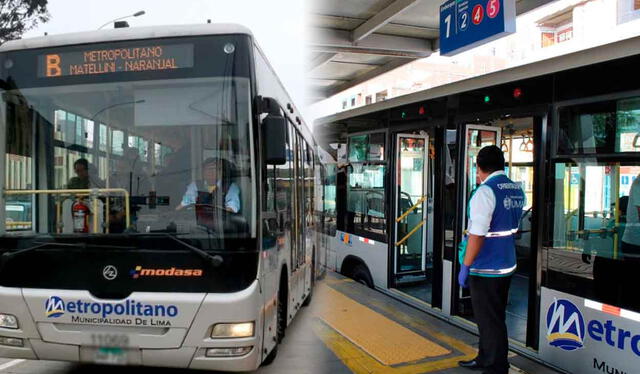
(365, 331)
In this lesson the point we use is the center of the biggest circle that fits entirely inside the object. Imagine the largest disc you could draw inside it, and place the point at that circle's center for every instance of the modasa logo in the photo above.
(140, 272)
(54, 307)
(565, 325)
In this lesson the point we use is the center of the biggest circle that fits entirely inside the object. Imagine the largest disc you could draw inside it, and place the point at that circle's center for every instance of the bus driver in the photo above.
(215, 185)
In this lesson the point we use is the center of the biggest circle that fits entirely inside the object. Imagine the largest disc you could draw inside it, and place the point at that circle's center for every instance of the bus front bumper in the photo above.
(182, 346)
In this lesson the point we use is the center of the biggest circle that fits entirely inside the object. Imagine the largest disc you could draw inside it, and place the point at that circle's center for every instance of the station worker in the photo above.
(631, 249)
(488, 257)
(631, 236)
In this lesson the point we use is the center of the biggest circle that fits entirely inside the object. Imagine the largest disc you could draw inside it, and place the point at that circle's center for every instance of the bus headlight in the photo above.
(8, 321)
(233, 330)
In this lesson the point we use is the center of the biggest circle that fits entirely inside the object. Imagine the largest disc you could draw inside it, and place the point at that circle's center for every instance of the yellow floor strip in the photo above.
(359, 362)
(382, 338)
(421, 325)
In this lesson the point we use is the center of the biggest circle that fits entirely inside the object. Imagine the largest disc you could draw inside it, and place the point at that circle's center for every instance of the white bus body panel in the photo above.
(183, 344)
(373, 253)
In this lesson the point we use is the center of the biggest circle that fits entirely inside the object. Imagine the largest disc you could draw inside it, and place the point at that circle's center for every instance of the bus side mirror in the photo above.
(274, 133)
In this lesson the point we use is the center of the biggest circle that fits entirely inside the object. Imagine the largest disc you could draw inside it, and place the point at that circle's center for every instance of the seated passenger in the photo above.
(86, 176)
(215, 186)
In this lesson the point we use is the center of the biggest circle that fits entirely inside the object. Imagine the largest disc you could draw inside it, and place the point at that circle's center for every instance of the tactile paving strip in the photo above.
(384, 339)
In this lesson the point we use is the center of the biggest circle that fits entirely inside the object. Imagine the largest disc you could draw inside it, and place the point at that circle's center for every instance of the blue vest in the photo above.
(497, 257)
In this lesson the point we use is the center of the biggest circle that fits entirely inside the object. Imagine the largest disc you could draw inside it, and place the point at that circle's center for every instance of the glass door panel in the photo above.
(411, 203)
(476, 138)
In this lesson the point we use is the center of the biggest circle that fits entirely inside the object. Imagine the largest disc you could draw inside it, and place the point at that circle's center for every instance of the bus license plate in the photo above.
(110, 340)
(111, 356)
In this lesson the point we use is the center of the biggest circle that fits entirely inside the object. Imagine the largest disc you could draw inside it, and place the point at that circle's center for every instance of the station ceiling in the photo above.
(353, 41)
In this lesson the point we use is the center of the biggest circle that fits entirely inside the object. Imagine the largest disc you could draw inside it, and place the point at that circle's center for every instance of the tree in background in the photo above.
(19, 16)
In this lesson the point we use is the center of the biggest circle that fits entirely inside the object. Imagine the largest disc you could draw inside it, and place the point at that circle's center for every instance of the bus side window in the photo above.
(18, 168)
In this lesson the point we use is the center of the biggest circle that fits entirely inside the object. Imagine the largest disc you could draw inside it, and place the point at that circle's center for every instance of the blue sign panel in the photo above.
(465, 24)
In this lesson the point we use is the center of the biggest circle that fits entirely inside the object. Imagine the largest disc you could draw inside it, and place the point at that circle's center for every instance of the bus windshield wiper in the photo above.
(215, 260)
(6, 256)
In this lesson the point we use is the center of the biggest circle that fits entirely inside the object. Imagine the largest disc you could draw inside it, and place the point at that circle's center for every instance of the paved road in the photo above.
(347, 329)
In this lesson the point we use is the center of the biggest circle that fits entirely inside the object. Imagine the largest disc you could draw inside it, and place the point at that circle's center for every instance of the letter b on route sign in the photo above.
(53, 66)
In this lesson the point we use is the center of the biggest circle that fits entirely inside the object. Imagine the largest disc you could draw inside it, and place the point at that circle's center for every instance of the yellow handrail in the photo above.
(82, 192)
(420, 201)
(411, 232)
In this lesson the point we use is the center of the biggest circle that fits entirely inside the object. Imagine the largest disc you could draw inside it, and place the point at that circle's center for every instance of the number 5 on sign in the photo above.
(493, 8)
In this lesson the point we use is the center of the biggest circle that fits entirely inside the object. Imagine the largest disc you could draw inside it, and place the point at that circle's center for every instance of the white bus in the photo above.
(164, 182)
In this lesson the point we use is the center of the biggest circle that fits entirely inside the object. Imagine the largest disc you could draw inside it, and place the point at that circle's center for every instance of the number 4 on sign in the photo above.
(478, 14)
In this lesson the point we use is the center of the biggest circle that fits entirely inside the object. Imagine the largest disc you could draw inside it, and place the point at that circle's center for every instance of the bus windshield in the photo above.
(148, 156)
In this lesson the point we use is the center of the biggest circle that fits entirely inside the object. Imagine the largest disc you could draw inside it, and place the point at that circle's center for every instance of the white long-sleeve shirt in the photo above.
(481, 207)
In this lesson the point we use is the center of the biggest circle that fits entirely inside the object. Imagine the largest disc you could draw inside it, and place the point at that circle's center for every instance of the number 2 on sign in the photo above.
(478, 14)
(493, 8)
(464, 21)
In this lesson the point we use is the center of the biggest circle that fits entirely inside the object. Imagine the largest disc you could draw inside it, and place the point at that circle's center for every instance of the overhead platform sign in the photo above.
(465, 24)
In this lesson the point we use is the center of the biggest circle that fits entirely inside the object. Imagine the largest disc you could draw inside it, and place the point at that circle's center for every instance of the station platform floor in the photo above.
(348, 328)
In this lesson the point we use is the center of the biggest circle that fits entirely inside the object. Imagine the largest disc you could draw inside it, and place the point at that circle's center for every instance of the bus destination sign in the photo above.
(116, 60)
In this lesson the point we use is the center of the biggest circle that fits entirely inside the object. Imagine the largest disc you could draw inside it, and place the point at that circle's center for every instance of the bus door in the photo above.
(475, 138)
(411, 202)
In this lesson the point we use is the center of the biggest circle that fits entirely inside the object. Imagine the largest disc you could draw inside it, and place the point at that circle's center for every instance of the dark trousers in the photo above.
(489, 300)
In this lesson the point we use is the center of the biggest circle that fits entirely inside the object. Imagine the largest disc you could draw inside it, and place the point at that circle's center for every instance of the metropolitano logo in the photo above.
(565, 325)
(54, 307)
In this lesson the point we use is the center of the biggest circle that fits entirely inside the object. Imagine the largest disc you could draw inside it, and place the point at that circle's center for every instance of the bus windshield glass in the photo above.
(98, 157)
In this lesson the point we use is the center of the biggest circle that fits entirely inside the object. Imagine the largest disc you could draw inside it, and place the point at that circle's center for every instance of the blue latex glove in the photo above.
(463, 275)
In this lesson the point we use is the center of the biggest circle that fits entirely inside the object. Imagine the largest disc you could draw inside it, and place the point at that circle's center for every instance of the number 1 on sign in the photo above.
(447, 20)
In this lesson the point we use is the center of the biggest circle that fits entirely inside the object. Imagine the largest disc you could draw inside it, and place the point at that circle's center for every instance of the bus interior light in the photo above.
(228, 352)
(8, 321)
(11, 342)
(233, 330)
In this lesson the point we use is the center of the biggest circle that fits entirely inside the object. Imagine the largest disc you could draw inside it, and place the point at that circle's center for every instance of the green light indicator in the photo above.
(487, 99)
(403, 115)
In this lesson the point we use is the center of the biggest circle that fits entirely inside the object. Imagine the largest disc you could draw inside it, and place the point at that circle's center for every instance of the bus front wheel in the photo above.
(271, 356)
(361, 274)
(307, 300)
